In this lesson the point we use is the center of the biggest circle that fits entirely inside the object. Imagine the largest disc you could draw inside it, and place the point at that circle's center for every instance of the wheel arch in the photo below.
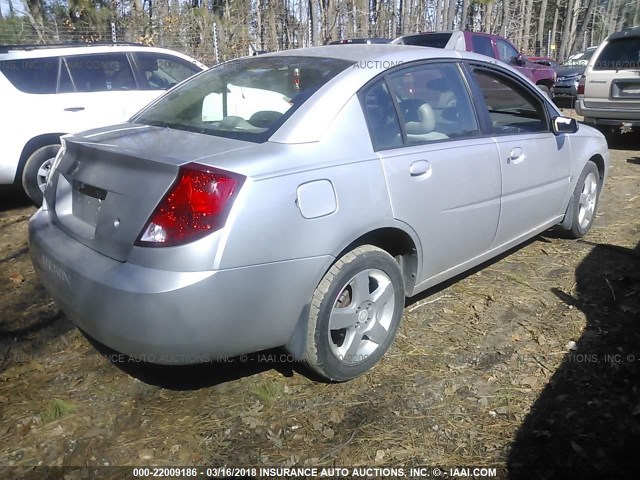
(397, 240)
(31, 146)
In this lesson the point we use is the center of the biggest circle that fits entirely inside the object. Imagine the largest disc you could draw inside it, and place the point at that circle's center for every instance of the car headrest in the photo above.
(426, 123)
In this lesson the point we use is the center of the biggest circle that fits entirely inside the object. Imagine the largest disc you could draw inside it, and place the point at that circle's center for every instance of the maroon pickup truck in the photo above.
(491, 45)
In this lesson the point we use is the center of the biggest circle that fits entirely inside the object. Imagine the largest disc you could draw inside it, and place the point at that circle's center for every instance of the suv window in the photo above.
(512, 109)
(506, 51)
(619, 54)
(433, 103)
(482, 45)
(163, 71)
(32, 75)
(101, 72)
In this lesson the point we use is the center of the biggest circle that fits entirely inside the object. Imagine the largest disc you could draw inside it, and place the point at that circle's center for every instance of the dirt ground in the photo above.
(530, 364)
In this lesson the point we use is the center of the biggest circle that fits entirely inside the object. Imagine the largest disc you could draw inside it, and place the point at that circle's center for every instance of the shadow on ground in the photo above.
(586, 422)
(11, 198)
(202, 375)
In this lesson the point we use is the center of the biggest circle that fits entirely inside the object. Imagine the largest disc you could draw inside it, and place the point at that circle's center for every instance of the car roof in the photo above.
(56, 50)
(358, 53)
(629, 32)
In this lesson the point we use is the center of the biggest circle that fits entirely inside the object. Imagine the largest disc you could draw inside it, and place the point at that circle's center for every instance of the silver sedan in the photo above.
(295, 199)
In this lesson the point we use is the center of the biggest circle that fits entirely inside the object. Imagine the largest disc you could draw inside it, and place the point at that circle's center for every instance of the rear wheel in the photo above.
(36, 172)
(584, 202)
(355, 312)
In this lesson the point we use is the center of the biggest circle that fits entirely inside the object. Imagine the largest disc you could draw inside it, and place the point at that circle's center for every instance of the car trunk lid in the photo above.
(108, 184)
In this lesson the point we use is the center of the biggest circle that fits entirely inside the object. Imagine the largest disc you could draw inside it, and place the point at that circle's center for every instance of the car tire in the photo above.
(36, 172)
(583, 205)
(367, 284)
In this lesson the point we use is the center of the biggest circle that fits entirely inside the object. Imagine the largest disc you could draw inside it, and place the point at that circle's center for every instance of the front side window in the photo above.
(512, 109)
(506, 52)
(162, 71)
(619, 54)
(32, 75)
(101, 72)
(246, 99)
(433, 103)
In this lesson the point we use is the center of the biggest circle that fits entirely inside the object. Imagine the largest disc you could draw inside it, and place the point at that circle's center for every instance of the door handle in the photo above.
(516, 156)
(74, 109)
(420, 167)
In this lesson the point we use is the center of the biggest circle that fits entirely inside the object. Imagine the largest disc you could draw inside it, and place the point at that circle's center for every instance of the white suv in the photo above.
(609, 91)
(51, 90)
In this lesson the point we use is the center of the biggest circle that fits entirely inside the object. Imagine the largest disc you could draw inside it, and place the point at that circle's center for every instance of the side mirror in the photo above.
(520, 59)
(563, 125)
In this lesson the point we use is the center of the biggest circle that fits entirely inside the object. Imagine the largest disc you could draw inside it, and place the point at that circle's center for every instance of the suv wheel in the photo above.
(36, 172)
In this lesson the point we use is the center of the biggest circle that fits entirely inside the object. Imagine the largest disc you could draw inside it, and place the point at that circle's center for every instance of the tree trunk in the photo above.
(452, 14)
(566, 31)
(541, 23)
(574, 26)
(582, 31)
(526, 46)
(488, 7)
(464, 15)
(504, 24)
(636, 18)
(554, 32)
(438, 13)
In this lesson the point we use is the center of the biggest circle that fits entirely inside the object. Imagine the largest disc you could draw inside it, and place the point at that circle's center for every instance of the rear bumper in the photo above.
(564, 91)
(607, 116)
(172, 317)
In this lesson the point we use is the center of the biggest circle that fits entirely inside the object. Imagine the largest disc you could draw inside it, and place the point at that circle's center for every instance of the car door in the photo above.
(102, 90)
(534, 162)
(443, 178)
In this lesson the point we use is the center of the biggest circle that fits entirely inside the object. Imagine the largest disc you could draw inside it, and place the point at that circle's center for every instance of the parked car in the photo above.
(51, 90)
(546, 61)
(349, 41)
(493, 46)
(568, 75)
(201, 229)
(609, 91)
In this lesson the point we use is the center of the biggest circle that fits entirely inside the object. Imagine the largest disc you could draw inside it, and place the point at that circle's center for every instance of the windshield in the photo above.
(247, 99)
(580, 59)
(620, 54)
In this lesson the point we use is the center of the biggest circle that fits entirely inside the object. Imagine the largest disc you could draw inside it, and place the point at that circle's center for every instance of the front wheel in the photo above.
(36, 172)
(584, 202)
(355, 312)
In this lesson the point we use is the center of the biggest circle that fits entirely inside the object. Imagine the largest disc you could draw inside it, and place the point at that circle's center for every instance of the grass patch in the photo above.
(57, 408)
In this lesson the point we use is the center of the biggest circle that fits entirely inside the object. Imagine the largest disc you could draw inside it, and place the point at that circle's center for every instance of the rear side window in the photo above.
(619, 54)
(163, 71)
(101, 72)
(381, 116)
(482, 45)
(436, 40)
(32, 75)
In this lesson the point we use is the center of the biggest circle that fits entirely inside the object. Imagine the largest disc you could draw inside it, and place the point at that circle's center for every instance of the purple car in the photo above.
(493, 46)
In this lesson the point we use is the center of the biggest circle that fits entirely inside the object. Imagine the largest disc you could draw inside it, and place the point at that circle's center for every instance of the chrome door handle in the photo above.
(420, 167)
(74, 109)
(516, 156)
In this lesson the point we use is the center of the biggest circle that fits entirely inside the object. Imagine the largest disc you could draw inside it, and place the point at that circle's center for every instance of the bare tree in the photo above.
(541, 23)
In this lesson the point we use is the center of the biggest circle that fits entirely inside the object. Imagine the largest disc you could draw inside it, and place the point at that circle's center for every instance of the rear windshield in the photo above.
(436, 40)
(247, 99)
(32, 75)
(620, 54)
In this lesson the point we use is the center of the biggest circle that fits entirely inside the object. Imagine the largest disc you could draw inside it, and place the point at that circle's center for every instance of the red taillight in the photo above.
(581, 83)
(296, 78)
(197, 204)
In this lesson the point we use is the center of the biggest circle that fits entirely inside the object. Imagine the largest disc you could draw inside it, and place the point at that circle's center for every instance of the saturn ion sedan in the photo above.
(296, 199)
